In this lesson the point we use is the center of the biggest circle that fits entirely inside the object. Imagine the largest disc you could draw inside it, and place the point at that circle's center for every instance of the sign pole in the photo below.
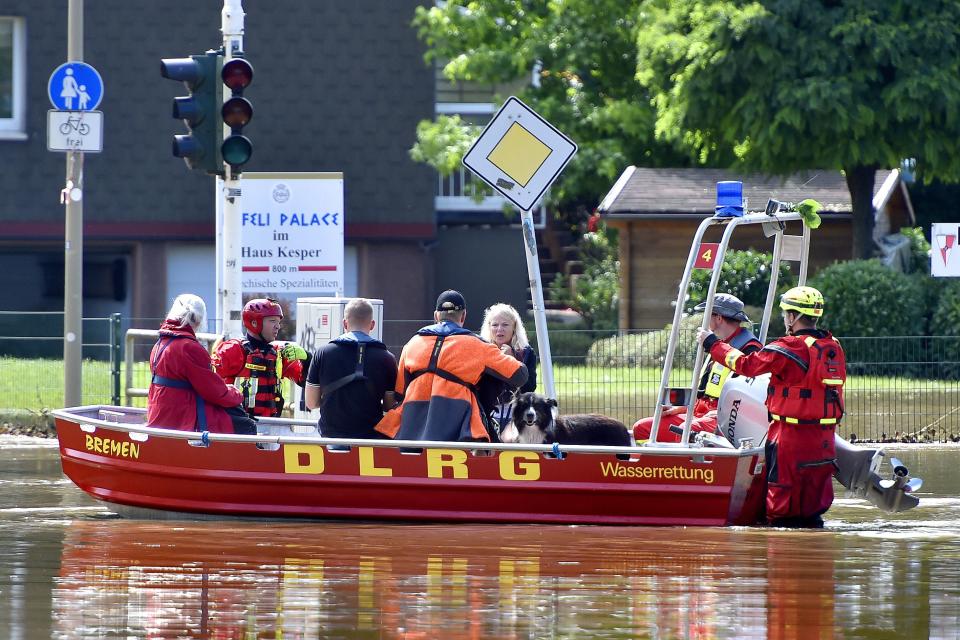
(536, 296)
(72, 198)
(230, 294)
(520, 154)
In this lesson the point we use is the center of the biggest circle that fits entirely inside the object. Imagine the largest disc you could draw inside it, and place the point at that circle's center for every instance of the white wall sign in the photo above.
(292, 234)
(519, 154)
(944, 252)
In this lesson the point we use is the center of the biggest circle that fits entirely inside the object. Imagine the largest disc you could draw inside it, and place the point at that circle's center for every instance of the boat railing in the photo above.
(90, 418)
(785, 247)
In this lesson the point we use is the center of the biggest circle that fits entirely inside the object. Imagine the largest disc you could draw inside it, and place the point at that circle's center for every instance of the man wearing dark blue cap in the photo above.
(437, 377)
(725, 322)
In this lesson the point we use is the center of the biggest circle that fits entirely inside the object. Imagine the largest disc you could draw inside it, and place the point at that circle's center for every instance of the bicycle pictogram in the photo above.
(74, 123)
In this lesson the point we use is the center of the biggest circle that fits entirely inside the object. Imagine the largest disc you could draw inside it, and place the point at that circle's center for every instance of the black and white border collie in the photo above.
(536, 421)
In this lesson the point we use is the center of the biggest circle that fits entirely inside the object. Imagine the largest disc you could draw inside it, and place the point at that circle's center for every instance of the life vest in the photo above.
(818, 398)
(258, 381)
(437, 371)
(363, 342)
(715, 374)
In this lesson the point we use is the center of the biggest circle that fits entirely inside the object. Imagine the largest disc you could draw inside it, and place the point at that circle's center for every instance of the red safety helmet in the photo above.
(256, 310)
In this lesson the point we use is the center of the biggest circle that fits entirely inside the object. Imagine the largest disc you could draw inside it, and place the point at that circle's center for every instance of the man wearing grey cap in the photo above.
(725, 322)
(437, 377)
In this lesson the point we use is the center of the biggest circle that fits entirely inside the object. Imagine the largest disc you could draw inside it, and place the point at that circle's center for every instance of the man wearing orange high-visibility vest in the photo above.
(437, 376)
(807, 370)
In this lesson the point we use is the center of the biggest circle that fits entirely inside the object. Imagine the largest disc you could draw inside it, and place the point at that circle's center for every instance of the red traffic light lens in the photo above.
(237, 74)
(236, 112)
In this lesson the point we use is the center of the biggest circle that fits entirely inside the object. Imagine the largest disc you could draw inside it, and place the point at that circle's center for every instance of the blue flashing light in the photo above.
(729, 199)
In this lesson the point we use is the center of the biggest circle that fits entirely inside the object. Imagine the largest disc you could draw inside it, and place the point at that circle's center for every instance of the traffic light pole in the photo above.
(72, 198)
(230, 293)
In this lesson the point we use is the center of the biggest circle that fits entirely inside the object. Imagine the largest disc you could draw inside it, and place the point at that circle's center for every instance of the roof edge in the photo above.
(618, 186)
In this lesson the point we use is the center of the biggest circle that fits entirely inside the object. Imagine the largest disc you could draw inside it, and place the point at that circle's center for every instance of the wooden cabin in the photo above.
(657, 212)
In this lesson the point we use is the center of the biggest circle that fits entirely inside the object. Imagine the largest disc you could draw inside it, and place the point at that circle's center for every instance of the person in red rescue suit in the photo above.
(258, 363)
(437, 377)
(185, 393)
(725, 322)
(805, 399)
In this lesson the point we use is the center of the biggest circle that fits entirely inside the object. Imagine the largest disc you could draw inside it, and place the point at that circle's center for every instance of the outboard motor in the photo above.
(741, 410)
(742, 415)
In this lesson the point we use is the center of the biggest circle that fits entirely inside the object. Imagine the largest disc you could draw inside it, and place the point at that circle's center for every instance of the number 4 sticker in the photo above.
(706, 255)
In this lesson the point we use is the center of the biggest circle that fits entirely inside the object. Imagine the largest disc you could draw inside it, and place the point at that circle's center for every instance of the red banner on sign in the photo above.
(706, 255)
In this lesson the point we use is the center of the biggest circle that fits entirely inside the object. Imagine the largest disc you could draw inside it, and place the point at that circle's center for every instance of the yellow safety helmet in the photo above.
(805, 300)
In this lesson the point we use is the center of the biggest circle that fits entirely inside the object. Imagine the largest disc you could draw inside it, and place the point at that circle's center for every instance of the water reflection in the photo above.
(342, 580)
(71, 571)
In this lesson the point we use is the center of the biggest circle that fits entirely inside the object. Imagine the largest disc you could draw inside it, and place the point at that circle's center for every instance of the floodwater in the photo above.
(69, 569)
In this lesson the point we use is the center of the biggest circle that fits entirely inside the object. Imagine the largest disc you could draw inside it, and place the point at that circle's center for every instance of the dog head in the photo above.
(533, 420)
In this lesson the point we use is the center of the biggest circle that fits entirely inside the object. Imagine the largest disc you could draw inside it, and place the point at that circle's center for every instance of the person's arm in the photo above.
(228, 358)
(530, 361)
(504, 367)
(194, 365)
(312, 395)
(296, 362)
(390, 398)
(754, 364)
(313, 391)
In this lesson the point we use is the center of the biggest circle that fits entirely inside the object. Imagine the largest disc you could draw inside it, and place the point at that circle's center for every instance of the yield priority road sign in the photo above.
(519, 153)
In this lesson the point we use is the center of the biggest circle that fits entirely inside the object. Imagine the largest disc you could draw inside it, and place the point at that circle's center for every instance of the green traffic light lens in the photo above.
(236, 150)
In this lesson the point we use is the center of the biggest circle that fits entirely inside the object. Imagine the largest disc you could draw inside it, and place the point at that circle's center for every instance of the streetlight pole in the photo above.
(72, 198)
(230, 293)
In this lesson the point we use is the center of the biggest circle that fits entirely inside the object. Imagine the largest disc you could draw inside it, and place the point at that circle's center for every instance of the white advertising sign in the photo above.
(944, 252)
(292, 234)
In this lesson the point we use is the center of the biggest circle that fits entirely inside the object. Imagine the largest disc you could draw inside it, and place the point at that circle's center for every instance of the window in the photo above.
(13, 78)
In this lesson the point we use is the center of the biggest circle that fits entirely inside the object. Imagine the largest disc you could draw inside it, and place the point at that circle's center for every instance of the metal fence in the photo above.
(899, 388)
(31, 360)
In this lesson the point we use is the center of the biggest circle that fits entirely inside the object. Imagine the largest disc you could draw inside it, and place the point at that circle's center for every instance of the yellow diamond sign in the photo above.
(519, 154)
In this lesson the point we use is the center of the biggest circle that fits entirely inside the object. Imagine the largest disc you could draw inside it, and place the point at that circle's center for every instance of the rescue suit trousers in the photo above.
(800, 465)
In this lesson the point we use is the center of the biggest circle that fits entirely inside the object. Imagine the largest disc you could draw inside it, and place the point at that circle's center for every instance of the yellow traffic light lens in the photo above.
(237, 112)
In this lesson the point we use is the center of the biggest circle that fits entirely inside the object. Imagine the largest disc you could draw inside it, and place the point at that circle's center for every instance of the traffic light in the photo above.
(200, 148)
(236, 112)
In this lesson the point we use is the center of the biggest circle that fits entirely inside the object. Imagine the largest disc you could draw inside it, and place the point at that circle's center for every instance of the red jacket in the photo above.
(788, 360)
(179, 356)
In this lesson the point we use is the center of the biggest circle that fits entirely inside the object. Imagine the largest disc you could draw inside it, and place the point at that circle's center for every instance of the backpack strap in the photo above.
(176, 383)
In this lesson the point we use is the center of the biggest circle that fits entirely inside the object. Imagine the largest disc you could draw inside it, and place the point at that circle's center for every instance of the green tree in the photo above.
(789, 85)
(581, 53)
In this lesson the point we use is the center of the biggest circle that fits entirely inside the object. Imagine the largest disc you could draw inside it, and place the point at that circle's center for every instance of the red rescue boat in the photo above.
(137, 470)
(288, 471)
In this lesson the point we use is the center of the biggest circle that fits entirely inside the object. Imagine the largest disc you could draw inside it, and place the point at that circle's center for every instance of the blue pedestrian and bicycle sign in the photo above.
(75, 86)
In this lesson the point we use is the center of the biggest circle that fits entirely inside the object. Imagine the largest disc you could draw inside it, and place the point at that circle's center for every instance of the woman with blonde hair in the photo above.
(503, 327)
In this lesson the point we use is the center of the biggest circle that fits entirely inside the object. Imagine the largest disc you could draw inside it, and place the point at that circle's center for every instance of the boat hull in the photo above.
(298, 478)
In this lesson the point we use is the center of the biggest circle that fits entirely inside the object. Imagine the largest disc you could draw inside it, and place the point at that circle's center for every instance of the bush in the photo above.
(647, 349)
(745, 274)
(919, 250)
(946, 322)
(569, 343)
(865, 298)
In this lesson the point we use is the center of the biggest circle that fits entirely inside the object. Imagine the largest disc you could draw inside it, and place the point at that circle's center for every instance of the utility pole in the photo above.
(230, 295)
(72, 198)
